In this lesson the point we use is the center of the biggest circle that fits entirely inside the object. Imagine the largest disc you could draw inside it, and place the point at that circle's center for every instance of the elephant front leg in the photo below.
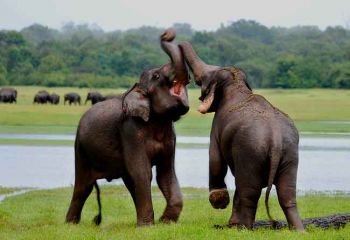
(218, 195)
(143, 197)
(169, 186)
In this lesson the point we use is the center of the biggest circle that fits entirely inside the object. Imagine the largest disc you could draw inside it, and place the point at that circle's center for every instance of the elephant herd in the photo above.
(9, 95)
(126, 136)
(43, 97)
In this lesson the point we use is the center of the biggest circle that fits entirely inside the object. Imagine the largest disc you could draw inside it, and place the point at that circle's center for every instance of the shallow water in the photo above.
(324, 165)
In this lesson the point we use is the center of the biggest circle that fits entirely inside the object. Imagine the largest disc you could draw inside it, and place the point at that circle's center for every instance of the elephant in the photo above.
(42, 97)
(8, 95)
(125, 136)
(54, 98)
(94, 97)
(72, 98)
(257, 141)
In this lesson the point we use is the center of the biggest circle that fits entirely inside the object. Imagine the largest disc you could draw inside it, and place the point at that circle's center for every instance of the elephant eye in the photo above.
(155, 76)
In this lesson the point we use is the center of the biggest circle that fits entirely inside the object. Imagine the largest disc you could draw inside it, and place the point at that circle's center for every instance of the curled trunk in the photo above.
(175, 55)
(199, 68)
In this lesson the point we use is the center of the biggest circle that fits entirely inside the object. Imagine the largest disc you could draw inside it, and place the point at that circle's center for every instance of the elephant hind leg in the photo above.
(286, 191)
(82, 190)
(245, 206)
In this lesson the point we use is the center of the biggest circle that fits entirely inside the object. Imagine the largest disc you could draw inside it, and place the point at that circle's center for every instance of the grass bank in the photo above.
(6, 190)
(40, 215)
(314, 110)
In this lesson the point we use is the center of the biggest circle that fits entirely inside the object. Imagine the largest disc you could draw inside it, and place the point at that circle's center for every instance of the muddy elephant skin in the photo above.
(258, 142)
(125, 136)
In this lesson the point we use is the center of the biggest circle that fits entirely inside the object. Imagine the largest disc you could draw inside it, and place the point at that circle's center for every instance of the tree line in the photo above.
(86, 56)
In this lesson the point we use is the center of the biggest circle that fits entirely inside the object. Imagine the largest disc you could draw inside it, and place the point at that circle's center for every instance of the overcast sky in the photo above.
(202, 15)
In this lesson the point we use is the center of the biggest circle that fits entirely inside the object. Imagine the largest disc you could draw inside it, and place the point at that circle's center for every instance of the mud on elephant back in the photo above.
(127, 135)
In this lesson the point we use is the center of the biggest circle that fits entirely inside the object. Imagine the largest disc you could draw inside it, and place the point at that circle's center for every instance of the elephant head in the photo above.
(210, 78)
(161, 91)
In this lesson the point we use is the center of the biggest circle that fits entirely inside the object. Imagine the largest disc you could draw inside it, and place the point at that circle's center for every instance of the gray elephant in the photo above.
(72, 98)
(258, 142)
(42, 97)
(125, 136)
(94, 97)
(54, 98)
(8, 95)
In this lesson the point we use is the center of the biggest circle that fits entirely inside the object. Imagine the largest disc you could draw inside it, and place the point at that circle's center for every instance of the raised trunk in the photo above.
(199, 68)
(174, 52)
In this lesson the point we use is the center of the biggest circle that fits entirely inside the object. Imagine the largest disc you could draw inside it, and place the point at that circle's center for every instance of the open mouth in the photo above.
(178, 87)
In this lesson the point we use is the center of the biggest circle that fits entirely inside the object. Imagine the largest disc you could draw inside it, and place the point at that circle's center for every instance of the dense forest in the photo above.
(86, 56)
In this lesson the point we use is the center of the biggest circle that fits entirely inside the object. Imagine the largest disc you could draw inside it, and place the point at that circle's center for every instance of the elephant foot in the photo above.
(168, 219)
(145, 224)
(219, 198)
(72, 220)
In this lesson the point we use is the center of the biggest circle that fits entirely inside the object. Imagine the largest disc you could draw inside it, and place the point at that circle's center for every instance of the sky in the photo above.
(202, 15)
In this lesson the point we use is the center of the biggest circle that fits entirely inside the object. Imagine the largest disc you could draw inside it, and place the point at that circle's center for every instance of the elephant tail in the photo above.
(98, 218)
(275, 158)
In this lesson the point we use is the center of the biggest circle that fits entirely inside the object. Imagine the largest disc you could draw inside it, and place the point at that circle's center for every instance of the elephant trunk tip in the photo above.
(168, 35)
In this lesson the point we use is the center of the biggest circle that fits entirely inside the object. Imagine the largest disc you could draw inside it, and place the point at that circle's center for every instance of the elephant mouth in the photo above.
(178, 87)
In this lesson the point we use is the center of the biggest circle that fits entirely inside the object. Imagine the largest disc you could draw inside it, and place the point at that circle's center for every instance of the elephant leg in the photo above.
(286, 191)
(218, 195)
(169, 186)
(234, 220)
(246, 202)
(130, 186)
(82, 190)
(143, 199)
(141, 179)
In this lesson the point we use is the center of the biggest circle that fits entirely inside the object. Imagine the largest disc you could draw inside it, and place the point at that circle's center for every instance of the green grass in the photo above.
(40, 215)
(35, 142)
(6, 190)
(312, 109)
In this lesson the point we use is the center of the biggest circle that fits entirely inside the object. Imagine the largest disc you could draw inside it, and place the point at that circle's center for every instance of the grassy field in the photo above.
(5, 190)
(40, 215)
(315, 110)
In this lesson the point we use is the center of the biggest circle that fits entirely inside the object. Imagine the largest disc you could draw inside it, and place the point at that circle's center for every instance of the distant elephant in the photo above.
(94, 97)
(258, 142)
(72, 98)
(8, 95)
(54, 98)
(125, 136)
(42, 97)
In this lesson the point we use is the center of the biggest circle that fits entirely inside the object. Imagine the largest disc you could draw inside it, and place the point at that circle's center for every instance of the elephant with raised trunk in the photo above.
(8, 95)
(125, 136)
(258, 142)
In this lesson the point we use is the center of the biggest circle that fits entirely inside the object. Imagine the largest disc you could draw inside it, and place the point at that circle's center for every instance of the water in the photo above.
(324, 165)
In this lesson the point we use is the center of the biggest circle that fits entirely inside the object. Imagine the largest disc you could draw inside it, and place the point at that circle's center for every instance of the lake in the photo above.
(324, 164)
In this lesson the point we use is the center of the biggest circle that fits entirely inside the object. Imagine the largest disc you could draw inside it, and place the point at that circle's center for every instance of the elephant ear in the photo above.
(136, 103)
